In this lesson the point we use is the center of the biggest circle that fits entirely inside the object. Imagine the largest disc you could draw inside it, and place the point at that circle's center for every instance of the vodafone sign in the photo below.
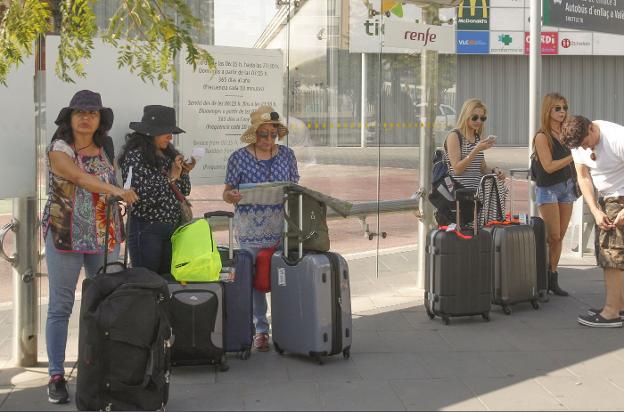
(550, 41)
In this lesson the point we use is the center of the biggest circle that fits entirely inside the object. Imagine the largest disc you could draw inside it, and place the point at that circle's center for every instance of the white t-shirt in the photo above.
(607, 171)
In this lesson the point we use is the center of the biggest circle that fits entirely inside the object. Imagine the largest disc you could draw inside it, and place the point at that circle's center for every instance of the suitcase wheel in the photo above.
(318, 359)
(446, 320)
(544, 296)
(245, 354)
(223, 366)
(346, 353)
(535, 304)
(486, 316)
(278, 349)
(429, 313)
(507, 310)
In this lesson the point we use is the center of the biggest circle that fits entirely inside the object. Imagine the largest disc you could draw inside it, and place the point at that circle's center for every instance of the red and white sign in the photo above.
(549, 42)
(575, 43)
(418, 37)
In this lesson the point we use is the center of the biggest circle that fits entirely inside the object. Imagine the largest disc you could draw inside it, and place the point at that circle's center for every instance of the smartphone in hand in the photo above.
(491, 138)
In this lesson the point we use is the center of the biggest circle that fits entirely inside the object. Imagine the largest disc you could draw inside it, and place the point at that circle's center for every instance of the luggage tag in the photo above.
(228, 274)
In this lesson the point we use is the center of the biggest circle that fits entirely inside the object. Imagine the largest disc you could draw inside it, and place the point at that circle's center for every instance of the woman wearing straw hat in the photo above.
(259, 226)
(80, 177)
(159, 175)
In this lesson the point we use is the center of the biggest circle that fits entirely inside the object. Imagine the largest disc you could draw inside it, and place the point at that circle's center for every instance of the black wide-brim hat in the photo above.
(88, 101)
(157, 120)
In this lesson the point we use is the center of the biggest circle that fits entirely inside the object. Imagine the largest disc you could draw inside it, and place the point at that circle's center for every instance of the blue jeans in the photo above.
(150, 245)
(558, 193)
(260, 306)
(63, 271)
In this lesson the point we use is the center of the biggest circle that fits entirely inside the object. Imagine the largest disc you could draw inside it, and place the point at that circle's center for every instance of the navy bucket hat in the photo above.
(88, 101)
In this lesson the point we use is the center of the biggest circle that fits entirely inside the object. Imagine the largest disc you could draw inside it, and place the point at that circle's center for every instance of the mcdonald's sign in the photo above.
(473, 15)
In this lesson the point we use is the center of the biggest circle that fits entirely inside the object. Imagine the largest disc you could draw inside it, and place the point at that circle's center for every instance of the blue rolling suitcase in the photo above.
(239, 328)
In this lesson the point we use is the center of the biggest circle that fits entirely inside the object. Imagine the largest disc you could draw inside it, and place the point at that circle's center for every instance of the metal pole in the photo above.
(364, 92)
(24, 284)
(429, 98)
(333, 37)
(535, 85)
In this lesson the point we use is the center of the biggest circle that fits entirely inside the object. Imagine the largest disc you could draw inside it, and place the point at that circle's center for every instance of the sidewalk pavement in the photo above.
(401, 360)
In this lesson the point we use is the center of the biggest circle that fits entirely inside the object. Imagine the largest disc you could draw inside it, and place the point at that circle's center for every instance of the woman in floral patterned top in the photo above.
(81, 177)
(156, 169)
(260, 226)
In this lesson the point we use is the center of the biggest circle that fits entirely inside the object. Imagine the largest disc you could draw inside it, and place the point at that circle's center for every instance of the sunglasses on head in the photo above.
(559, 108)
(265, 134)
(476, 117)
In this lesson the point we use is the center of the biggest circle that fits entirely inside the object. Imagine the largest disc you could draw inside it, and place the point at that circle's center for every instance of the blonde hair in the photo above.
(548, 102)
(465, 114)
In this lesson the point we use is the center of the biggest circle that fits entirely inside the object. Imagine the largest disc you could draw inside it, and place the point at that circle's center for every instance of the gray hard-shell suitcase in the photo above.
(514, 264)
(459, 270)
(541, 246)
(310, 303)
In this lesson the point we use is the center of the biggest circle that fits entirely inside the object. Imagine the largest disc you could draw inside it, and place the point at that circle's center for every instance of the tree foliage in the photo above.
(148, 34)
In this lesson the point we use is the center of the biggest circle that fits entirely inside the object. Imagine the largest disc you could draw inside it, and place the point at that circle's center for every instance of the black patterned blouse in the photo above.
(157, 201)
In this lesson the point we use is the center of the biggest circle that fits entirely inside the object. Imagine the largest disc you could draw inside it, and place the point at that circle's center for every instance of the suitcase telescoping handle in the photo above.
(300, 241)
(110, 203)
(465, 194)
(230, 216)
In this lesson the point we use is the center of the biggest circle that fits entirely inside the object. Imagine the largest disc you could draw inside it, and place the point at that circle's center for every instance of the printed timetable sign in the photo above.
(605, 16)
(215, 107)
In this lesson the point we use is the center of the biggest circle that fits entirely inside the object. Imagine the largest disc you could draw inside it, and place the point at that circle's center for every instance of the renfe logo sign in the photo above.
(550, 42)
(420, 37)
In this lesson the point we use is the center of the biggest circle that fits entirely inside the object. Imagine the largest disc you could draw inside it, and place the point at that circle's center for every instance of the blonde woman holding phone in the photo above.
(465, 152)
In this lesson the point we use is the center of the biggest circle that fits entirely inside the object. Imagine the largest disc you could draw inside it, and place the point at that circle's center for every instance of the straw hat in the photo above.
(263, 115)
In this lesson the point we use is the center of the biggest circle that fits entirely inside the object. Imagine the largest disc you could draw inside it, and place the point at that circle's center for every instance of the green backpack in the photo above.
(195, 257)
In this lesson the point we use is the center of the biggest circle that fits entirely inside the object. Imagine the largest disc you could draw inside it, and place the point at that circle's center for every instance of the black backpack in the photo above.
(109, 149)
(443, 189)
(124, 342)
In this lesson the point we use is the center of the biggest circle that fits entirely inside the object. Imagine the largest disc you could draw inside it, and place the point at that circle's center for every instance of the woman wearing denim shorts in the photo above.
(554, 175)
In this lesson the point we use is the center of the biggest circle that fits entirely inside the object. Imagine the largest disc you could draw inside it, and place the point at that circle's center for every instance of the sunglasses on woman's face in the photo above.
(476, 117)
(265, 134)
(560, 108)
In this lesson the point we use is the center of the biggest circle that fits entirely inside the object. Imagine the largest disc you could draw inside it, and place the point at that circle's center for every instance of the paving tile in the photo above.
(383, 366)
(513, 394)
(255, 369)
(196, 374)
(413, 341)
(206, 397)
(35, 398)
(436, 394)
(584, 393)
(388, 321)
(285, 396)
(589, 364)
(334, 368)
(526, 365)
(359, 396)
(5, 391)
(458, 364)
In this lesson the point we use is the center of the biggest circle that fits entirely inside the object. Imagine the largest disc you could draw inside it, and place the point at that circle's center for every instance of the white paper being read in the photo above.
(128, 183)
(198, 152)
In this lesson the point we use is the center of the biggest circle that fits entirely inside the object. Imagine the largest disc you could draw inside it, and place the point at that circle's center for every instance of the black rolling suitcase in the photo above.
(197, 313)
(514, 266)
(459, 269)
(124, 339)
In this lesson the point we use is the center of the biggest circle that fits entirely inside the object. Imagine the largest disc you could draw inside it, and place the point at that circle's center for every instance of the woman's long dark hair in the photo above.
(64, 132)
(145, 144)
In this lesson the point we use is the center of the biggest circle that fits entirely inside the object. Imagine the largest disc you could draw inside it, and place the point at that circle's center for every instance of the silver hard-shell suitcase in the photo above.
(514, 265)
(310, 302)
